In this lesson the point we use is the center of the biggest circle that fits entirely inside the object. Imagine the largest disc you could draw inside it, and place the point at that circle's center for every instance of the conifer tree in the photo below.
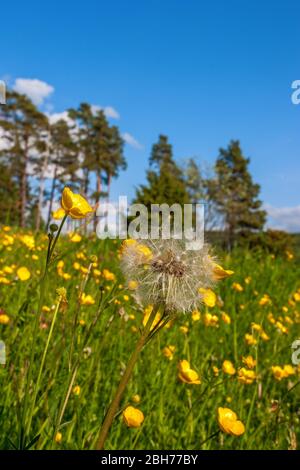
(22, 124)
(235, 193)
(165, 180)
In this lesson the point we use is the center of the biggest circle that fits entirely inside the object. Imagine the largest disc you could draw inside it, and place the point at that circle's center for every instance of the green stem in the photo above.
(36, 388)
(113, 407)
(56, 238)
(35, 330)
(210, 437)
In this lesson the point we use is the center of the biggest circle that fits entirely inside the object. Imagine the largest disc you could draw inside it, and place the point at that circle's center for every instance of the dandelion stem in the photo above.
(113, 407)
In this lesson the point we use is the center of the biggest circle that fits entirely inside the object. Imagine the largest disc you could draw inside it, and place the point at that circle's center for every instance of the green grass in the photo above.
(177, 415)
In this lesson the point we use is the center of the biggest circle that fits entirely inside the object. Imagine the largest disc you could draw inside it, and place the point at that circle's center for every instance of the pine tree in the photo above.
(195, 183)
(84, 119)
(165, 182)
(235, 194)
(64, 160)
(8, 196)
(23, 125)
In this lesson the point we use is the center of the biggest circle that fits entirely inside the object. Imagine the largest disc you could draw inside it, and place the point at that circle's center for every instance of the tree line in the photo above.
(83, 151)
(86, 152)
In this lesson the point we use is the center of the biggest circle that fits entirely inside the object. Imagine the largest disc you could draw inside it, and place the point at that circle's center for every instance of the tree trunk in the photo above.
(41, 191)
(52, 195)
(23, 188)
(108, 193)
(98, 196)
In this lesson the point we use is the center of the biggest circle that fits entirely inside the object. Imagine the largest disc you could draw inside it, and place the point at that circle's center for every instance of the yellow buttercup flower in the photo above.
(221, 273)
(264, 336)
(58, 437)
(28, 240)
(256, 327)
(210, 320)
(226, 318)
(76, 390)
(127, 243)
(188, 375)
(281, 327)
(133, 417)
(23, 273)
(86, 299)
(46, 309)
(265, 300)
(250, 340)
(289, 370)
(184, 329)
(75, 237)
(58, 214)
(229, 422)
(228, 368)
(168, 352)
(136, 398)
(196, 315)
(289, 255)
(237, 287)
(297, 296)
(74, 204)
(4, 319)
(208, 296)
(278, 373)
(132, 285)
(108, 275)
(8, 270)
(249, 362)
(246, 376)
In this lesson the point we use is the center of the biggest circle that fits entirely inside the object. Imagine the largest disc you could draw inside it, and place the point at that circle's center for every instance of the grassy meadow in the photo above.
(55, 396)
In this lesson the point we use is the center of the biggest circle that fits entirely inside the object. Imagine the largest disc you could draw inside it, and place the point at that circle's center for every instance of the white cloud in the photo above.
(35, 89)
(130, 140)
(4, 144)
(54, 117)
(109, 111)
(283, 218)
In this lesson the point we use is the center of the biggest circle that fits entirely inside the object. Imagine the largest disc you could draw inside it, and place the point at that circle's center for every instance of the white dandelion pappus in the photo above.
(167, 274)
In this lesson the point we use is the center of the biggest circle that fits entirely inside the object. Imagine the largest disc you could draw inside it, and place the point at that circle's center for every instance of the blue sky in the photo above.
(200, 72)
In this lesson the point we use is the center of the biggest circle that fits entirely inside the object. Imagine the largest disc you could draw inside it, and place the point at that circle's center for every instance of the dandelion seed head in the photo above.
(168, 274)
